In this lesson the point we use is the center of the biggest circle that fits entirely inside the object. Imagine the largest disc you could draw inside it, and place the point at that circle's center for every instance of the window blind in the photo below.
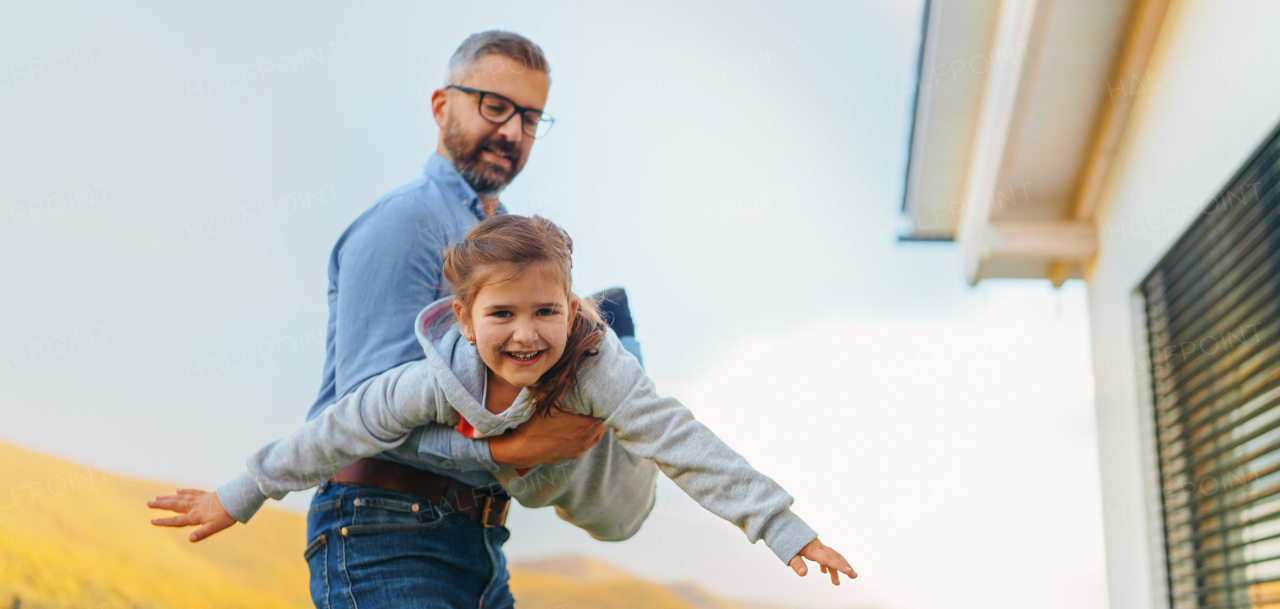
(1213, 331)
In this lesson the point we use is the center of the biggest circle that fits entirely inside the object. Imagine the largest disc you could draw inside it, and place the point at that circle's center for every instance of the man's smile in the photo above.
(497, 153)
(497, 158)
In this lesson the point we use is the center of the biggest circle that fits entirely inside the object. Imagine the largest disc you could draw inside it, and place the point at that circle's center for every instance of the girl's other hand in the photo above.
(830, 560)
(196, 508)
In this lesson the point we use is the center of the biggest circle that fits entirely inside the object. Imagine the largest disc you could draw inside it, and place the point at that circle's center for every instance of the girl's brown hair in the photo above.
(503, 247)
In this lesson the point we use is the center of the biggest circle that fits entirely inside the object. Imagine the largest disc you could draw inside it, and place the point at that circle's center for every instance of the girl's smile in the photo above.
(524, 358)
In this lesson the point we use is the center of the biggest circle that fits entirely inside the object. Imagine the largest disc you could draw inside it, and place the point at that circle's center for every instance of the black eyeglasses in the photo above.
(498, 110)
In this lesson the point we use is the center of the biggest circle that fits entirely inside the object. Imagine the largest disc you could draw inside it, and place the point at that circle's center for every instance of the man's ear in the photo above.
(463, 321)
(439, 105)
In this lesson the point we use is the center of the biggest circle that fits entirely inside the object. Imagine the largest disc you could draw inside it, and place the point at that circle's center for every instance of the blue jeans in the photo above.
(394, 555)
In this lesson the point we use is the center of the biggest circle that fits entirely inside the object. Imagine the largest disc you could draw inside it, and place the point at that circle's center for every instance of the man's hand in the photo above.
(559, 437)
(198, 508)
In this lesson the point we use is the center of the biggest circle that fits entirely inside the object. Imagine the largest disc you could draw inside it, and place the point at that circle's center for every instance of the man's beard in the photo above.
(484, 177)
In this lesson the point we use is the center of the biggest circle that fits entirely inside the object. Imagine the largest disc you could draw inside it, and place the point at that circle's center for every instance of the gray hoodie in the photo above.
(609, 491)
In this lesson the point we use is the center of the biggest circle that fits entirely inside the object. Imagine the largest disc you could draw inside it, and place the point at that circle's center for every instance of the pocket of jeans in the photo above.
(324, 506)
(317, 545)
(376, 513)
(317, 558)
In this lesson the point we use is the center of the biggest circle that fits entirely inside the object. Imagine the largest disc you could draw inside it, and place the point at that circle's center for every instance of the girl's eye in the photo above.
(502, 313)
(546, 311)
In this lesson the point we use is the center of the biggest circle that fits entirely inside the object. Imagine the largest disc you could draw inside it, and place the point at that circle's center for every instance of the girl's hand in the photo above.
(197, 508)
(830, 560)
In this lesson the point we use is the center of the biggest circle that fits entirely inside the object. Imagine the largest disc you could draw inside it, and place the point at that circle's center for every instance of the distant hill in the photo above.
(73, 535)
(573, 582)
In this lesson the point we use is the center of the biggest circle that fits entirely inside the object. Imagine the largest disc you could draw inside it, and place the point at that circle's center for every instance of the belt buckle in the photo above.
(488, 509)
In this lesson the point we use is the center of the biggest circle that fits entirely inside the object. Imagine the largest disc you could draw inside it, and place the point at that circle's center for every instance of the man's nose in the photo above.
(513, 130)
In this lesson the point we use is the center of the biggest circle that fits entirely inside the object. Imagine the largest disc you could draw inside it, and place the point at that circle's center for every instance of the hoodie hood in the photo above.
(460, 371)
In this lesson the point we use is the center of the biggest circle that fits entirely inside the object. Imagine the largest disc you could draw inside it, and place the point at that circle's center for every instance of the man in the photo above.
(384, 269)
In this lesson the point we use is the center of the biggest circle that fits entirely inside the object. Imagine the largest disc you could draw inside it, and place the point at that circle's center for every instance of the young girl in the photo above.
(519, 334)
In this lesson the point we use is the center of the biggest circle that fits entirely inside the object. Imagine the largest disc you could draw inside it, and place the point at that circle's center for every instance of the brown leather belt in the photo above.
(479, 503)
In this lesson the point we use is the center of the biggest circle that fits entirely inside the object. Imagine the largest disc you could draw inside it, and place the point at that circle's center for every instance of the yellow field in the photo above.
(73, 535)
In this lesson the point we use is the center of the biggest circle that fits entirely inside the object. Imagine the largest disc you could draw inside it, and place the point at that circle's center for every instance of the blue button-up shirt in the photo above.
(385, 268)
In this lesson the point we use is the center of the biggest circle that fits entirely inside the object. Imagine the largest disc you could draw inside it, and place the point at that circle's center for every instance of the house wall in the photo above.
(1212, 95)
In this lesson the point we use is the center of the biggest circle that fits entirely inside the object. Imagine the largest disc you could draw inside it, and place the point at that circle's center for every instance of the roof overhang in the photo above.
(1019, 107)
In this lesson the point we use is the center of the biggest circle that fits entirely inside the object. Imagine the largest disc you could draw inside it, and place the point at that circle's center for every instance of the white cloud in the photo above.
(946, 451)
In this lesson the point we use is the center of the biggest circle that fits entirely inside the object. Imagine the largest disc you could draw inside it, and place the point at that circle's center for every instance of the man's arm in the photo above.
(550, 439)
(559, 437)
(388, 268)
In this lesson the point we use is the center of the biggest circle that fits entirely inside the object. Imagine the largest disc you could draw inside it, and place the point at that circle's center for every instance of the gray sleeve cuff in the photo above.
(445, 446)
(786, 534)
(241, 497)
(474, 453)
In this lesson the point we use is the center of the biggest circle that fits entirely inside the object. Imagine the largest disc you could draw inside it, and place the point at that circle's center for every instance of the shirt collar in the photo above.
(454, 187)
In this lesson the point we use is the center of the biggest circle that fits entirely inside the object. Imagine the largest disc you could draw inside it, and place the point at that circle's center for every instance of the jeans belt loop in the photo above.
(447, 503)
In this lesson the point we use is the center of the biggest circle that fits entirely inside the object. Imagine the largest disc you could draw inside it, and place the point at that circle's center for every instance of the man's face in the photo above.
(486, 155)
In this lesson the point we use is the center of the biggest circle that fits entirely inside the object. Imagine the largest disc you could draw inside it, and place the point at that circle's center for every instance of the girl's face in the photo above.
(520, 325)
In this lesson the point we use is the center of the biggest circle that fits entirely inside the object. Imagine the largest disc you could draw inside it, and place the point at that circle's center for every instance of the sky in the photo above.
(174, 178)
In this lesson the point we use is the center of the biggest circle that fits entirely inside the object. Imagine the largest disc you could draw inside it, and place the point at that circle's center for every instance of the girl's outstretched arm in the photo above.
(375, 417)
(615, 389)
(197, 508)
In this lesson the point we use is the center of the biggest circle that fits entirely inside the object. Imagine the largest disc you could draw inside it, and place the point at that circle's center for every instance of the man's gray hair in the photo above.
(495, 42)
